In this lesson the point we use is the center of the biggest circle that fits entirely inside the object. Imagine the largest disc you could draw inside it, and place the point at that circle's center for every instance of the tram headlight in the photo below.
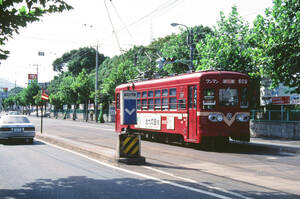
(215, 117)
(212, 117)
(219, 117)
(242, 117)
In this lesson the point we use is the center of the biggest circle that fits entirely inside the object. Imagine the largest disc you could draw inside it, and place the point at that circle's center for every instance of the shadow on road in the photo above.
(82, 187)
(20, 142)
(169, 167)
(233, 147)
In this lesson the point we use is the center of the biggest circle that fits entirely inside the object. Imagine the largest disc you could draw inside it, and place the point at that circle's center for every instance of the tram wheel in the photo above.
(182, 142)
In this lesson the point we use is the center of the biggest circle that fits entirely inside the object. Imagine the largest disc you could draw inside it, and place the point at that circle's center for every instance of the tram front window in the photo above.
(228, 97)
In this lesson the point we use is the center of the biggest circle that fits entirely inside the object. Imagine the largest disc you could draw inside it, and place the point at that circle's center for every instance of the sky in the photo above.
(134, 22)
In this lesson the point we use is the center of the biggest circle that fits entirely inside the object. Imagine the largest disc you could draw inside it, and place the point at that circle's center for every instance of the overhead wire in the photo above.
(112, 25)
(153, 14)
(122, 21)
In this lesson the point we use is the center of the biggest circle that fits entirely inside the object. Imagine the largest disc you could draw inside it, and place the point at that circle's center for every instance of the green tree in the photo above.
(76, 60)
(83, 87)
(8, 102)
(231, 47)
(17, 13)
(38, 101)
(66, 94)
(27, 95)
(279, 37)
(54, 98)
(15, 91)
(177, 47)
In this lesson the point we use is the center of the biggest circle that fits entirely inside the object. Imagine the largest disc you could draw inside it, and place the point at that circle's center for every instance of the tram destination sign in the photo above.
(128, 107)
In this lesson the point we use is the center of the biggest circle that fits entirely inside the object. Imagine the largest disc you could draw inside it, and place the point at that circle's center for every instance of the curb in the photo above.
(107, 154)
(271, 146)
(103, 155)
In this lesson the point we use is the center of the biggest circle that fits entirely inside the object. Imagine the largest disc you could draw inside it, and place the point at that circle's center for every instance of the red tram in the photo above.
(200, 107)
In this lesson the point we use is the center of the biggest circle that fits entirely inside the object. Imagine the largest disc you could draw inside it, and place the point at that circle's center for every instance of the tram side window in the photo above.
(144, 94)
(165, 92)
(195, 96)
(181, 104)
(138, 101)
(172, 103)
(157, 104)
(118, 101)
(191, 97)
(157, 93)
(164, 103)
(150, 93)
(244, 100)
(157, 100)
(172, 91)
(138, 104)
(150, 103)
(209, 100)
(144, 104)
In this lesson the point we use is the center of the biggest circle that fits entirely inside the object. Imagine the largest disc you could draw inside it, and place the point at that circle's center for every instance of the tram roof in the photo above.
(188, 76)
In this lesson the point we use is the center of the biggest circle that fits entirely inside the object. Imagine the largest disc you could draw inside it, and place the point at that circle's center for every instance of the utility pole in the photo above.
(96, 85)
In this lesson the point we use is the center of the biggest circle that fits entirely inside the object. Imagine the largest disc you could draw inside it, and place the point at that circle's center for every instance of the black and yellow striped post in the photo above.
(129, 149)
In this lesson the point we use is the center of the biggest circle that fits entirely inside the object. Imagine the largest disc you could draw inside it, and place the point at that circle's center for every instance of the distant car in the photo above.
(13, 113)
(16, 127)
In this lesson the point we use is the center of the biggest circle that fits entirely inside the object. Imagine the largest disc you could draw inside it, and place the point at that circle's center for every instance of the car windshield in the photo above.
(11, 120)
(13, 113)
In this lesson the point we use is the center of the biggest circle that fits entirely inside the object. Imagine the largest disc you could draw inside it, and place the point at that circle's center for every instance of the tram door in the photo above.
(192, 112)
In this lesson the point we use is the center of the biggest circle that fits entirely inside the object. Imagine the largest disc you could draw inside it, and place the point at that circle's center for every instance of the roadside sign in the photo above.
(282, 100)
(31, 78)
(128, 107)
(45, 95)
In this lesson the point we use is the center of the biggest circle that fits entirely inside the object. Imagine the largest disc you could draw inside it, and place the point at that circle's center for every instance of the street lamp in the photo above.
(189, 42)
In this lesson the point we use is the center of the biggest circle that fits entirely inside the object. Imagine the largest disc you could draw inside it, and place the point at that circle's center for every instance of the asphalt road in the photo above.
(239, 172)
(42, 171)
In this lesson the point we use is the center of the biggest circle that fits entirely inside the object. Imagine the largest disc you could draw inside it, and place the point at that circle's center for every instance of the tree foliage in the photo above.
(18, 13)
(76, 60)
(177, 48)
(279, 37)
(29, 93)
(231, 47)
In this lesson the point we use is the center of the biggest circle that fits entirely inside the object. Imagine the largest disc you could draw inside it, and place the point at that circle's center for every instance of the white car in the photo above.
(13, 113)
(16, 127)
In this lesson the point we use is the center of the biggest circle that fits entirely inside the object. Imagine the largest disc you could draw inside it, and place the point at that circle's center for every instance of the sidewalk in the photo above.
(280, 144)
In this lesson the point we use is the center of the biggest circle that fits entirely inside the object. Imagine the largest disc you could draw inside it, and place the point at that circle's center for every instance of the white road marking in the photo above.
(140, 174)
(199, 183)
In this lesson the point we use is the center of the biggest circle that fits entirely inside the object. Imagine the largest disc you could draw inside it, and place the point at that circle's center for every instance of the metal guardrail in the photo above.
(276, 115)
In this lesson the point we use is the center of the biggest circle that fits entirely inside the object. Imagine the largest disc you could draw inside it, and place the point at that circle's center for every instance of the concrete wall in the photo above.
(290, 130)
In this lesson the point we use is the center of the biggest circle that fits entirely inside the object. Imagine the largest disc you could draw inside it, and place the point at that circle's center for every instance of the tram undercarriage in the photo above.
(207, 142)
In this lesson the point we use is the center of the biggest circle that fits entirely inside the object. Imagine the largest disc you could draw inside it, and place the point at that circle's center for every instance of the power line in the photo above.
(121, 20)
(155, 13)
(112, 25)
